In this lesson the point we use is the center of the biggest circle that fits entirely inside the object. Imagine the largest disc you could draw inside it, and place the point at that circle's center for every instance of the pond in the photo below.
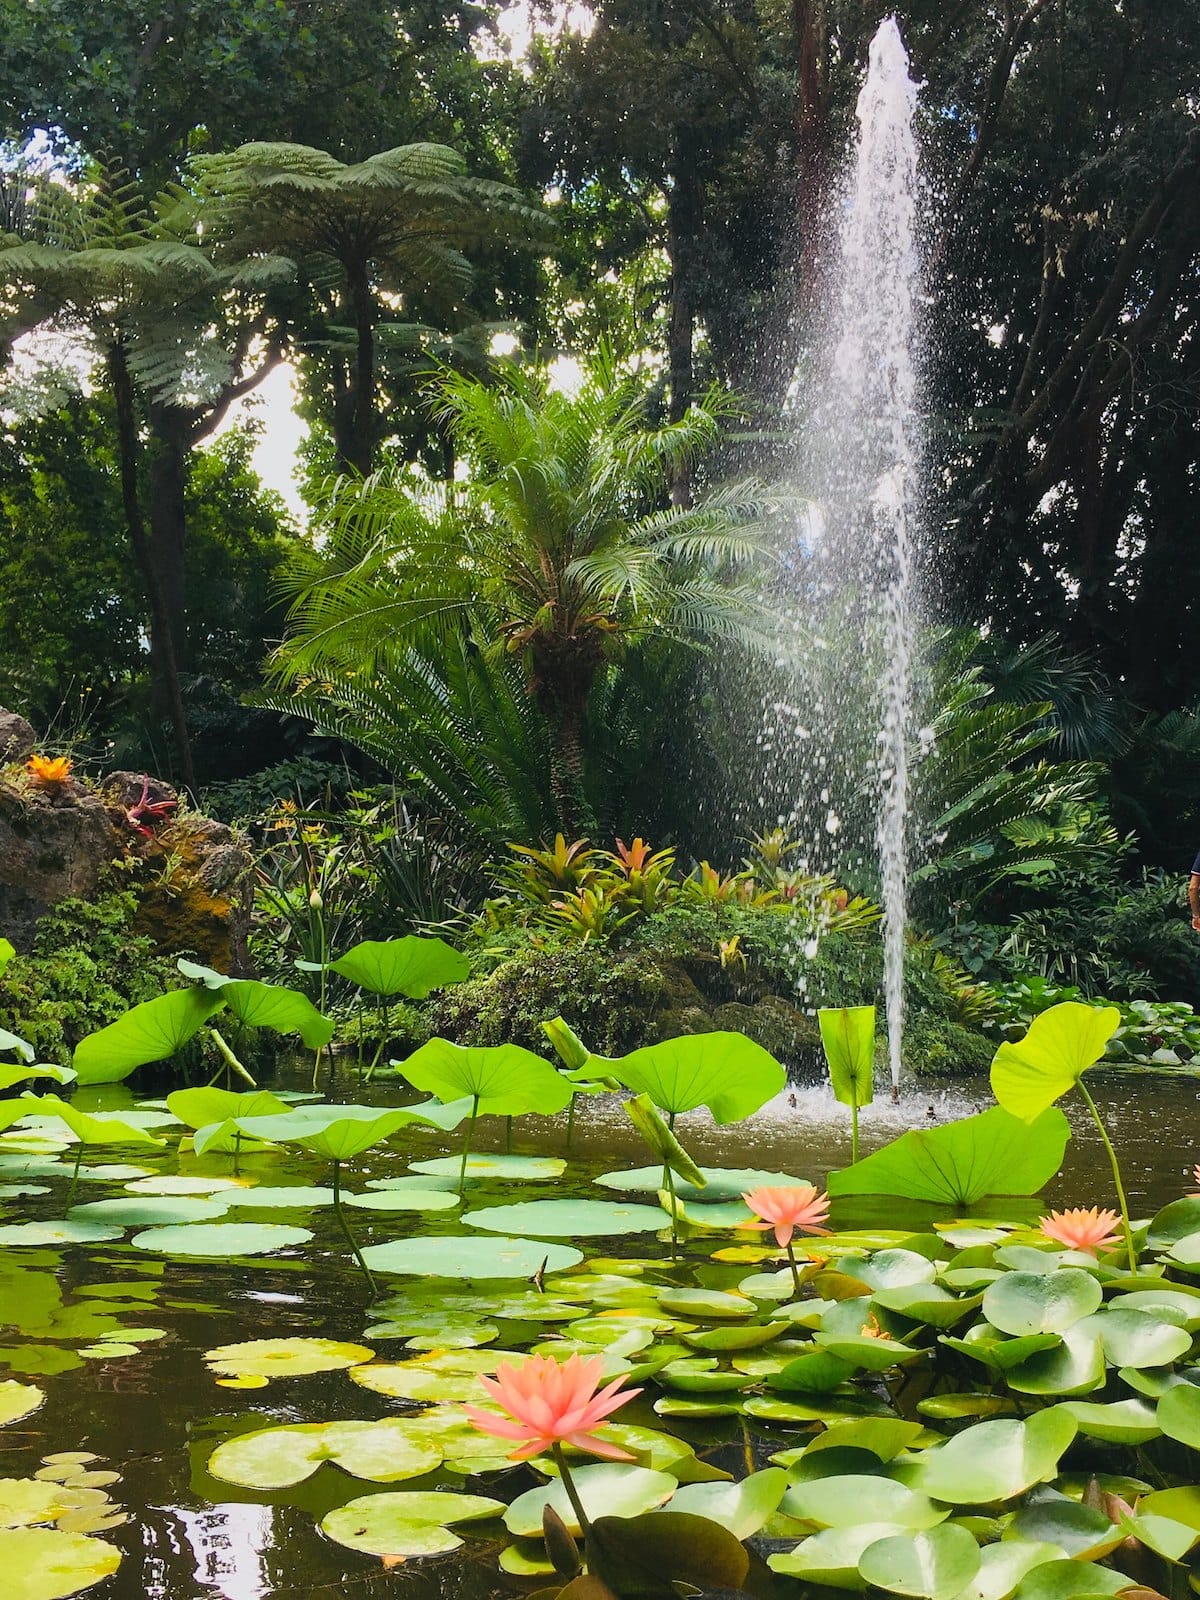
(116, 1337)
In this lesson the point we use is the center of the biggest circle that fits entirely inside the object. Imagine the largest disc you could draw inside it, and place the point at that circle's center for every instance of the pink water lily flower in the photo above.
(801, 1206)
(552, 1403)
(1087, 1229)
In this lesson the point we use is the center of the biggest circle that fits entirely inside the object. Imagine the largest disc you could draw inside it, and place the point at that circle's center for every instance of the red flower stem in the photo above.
(572, 1492)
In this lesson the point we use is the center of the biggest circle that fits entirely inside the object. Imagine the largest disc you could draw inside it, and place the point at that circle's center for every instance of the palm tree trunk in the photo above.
(164, 671)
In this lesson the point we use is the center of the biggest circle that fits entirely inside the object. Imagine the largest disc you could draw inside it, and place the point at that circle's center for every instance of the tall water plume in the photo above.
(858, 455)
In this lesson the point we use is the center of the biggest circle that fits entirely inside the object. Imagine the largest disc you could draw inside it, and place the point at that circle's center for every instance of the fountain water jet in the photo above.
(863, 456)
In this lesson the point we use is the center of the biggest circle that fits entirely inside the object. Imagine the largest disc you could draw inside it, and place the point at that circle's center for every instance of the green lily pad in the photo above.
(406, 1524)
(275, 1458)
(1078, 1530)
(404, 1200)
(1179, 1414)
(696, 1375)
(282, 1197)
(741, 1507)
(934, 1565)
(705, 1305)
(1066, 1579)
(1002, 1567)
(27, 1501)
(720, 1183)
(147, 1211)
(1133, 1338)
(340, 1132)
(284, 1358)
(997, 1460)
(831, 1557)
(18, 1400)
(1174, 1222)
(842, 1501)
(605, 1490)
(567, 1219)
(1120, 1422)
(33, 1234)
(1032, 1302)
(50, 1564)
(169, 1184)
(220, 1240)
(473, 1258)
(1076, 1366)
(1170, 1301)
(515, 1168)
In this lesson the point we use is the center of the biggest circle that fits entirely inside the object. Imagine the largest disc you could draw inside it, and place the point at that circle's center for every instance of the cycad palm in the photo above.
(561, 545)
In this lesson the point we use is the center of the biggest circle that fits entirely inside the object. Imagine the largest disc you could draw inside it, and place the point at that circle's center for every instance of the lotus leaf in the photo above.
(33, 1234)
(153, 1031)
(996, 1460)
(492, 1257)
(727, 1072)
(220, 1240)
(183, 1186)
(959, 1163)
(509, 1168)
(275, 1458)
(27, 1501)
(50, 1563)
(144, 1211)
(832, 1556)
(21, 1047)
(404, 1200)
(566, 1219)
(282, 1197)
(606, 1490)
(848, 1035)
(935, 1564)
(339, 1133)
(93, 1130)
(410, 966)
(198, 1107)
(504, 1080)
(1031, 1302)
(1059, 1047)
(265, 1005)
(284, 1358)
(11, 1075)
(406, 1524)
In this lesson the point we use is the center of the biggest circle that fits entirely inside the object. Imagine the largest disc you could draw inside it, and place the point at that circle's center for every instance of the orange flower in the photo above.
(1081, 1229)
(48, 771)
(802, 1206)
(551, 1403)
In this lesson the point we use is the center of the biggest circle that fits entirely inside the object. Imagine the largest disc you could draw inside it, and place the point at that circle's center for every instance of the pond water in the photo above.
(154, 1413)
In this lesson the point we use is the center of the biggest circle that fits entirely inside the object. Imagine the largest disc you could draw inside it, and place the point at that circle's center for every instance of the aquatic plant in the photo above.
(802, 1207)
(1088, 1230)
(848, 1036)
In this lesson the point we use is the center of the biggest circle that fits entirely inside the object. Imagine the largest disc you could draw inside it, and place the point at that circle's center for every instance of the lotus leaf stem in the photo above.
(1126, 1229)
(230, 1062)
(74, 1176)
(854, 1130)
(345, 1227)
(669, 1182)
(462, 1171)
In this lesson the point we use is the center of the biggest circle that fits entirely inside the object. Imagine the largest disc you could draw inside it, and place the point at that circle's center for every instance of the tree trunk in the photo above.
(164, 672)
(354, 421)
(683, 225)
(168, 471)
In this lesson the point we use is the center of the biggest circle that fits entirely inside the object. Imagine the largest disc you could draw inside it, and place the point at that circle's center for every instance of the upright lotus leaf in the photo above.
(1061, 1044)
(11, 1074)
(18, 1046)
(197, 1108)
(848, 1034)
(410, 966)
(339, 1133)
(959, 1163)
(504, 1080)
(727, 1072)
(7, 952)
(265, 1005)
(153, 1031)
(91, 1130)
(569, 1047)
(642, 1113)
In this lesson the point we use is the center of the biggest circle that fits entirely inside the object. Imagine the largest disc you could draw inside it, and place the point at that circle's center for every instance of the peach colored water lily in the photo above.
(1084, 1228)
(552, 1403)
(801, 1206)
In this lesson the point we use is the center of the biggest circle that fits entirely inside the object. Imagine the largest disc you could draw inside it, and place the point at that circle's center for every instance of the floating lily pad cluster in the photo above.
(48, 1527)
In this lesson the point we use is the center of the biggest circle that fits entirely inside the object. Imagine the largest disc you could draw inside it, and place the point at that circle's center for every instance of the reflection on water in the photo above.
(67, 1313)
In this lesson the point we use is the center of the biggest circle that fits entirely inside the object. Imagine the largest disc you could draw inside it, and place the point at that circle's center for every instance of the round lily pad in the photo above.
(403, 1524)
(284, 1358)
(148, 1211)
(404, 1200)
(64, 1232)
(17, 1191)
(221, 1240)
(1035, 1302)
(494, 1257)
(721, 1183)
(607, 1490)
(18, 1400)
(515, 1168)
(27, 1501)
(568, 1219)
(50, 1564)
(166, 1184)
(275, 1458)
(296, 1196)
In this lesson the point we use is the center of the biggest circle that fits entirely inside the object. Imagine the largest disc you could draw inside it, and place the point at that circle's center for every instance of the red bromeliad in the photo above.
(142, 816)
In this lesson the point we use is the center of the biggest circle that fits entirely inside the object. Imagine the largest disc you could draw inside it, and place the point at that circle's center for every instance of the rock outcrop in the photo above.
(65, 839)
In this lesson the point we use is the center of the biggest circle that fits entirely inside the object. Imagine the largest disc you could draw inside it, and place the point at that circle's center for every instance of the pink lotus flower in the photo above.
(801, 1206)
(550, 1403)
(1087, 1229)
